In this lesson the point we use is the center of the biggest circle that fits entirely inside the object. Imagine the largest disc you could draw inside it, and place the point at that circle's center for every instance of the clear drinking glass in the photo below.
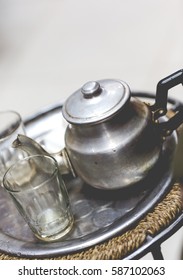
(10, 126)
(39, 193)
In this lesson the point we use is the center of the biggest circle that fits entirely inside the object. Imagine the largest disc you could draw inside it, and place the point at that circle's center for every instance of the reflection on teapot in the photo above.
(113, 140)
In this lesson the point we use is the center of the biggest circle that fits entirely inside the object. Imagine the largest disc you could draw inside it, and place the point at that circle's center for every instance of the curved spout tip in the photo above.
(17, 142)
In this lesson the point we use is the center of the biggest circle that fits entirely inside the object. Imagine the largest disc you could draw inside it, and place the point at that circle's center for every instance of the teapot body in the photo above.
(115, 153)
(114, 140)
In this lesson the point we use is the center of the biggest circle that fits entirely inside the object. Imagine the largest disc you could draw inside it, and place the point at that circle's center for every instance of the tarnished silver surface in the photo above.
(99, 214)
(111, 140)
(120, 152)
(96, 101)
(114, 140)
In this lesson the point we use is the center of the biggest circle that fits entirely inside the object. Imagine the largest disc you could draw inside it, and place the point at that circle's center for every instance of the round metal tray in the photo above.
(99, 214)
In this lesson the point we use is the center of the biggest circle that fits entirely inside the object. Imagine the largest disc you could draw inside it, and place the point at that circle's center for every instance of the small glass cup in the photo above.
(10, 126)
(39, 193)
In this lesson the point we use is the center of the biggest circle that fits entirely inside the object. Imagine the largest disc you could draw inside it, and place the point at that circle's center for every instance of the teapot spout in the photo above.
(31, 147)
(28, 145)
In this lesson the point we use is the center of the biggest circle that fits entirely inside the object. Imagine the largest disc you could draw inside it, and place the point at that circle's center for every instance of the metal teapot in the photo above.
(113, 140)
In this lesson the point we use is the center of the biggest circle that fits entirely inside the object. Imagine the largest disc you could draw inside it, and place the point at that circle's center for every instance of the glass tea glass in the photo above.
(39, 193)
(10, 126)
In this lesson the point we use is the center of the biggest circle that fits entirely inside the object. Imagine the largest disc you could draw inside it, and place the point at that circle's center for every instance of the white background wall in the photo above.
(49, 48)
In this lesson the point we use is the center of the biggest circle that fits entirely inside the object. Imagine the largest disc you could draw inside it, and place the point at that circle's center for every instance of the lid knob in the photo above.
(90, 89)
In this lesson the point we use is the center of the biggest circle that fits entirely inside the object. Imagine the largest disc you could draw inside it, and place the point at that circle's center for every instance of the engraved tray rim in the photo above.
(14, 246)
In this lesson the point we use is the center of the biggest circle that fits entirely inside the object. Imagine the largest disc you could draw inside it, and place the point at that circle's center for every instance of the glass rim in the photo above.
(5, 179)
(20, 122)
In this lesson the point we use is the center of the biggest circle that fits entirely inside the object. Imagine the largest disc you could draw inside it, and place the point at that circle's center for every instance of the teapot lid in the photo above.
(96, 101)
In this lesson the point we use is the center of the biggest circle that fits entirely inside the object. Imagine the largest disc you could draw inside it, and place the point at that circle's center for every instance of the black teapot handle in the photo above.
(160, 106)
